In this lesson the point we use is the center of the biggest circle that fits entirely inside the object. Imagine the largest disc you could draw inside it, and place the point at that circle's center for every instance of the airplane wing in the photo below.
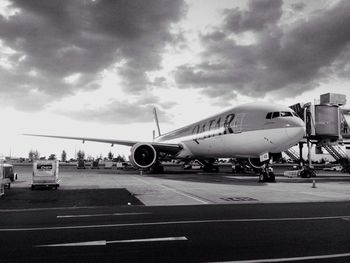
(162, 147)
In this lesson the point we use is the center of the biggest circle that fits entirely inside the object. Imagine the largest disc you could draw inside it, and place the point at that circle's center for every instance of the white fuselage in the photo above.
(243, 131)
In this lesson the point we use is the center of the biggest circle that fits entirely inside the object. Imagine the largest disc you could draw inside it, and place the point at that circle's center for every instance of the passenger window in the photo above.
(275, 114)
(268, 116)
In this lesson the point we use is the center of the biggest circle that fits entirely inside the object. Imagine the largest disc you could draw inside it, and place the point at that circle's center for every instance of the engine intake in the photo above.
(143, 155)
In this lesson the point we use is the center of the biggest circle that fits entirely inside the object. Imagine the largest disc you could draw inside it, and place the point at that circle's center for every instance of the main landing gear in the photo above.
(157, 168)
(266, 174)
(210, 166)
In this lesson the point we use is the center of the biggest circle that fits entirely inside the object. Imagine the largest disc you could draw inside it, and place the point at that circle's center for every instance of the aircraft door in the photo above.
(237, 123)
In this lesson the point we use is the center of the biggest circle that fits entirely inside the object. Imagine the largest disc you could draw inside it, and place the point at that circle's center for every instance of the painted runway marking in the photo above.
(184, 194)
(175, 191)
(143, 181)
(101, 215)
(237, 199)
(175, 223)
(104, 242)
(290, 259)
(77, 244)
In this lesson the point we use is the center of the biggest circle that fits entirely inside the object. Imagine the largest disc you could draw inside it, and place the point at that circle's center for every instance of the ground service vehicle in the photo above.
(2, 183)
(45, 174)
(8, 173)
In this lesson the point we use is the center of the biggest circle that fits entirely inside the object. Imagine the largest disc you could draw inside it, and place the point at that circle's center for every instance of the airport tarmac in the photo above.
(182, 187)
(180, 216)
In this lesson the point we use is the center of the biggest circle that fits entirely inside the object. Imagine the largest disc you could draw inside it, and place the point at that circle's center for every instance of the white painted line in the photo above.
(175, 191)
(184, 194)
(175, 223)
(290, 259)
(143, 181)
(161, 239)
(101, 215)
(104, 242)
(89, 243)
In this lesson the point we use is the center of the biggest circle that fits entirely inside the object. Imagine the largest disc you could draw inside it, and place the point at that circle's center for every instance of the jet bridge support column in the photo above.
(309, 153)
(301, 160)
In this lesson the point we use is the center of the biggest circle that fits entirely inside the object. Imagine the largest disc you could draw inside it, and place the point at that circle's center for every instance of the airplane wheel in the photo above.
(305, 174)
(263, 177)
(272, 177)
(157, 169)
(160, 169)
(206, 168)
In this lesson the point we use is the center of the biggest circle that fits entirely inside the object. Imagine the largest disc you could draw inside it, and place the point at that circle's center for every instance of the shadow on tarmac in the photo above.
(17, 198)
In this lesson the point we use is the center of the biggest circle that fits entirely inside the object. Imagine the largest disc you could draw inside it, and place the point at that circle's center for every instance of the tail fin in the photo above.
(156, 120)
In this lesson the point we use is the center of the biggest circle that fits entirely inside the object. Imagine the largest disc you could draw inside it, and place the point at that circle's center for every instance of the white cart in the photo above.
(45, 174)
(3, 181)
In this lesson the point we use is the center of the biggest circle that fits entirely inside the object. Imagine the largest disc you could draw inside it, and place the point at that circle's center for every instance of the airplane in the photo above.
(249, 131)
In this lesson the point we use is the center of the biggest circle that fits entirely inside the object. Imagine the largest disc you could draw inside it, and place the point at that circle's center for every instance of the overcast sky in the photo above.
(97, 68)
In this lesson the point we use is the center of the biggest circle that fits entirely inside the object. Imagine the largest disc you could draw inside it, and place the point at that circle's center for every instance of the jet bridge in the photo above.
(345, 123)
(339, 155)
(327, 126)
(292, 154)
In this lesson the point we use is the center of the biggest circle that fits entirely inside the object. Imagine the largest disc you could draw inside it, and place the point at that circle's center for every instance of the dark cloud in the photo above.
(285, 58)
(259, 15)
(56, 39)
(124, 111)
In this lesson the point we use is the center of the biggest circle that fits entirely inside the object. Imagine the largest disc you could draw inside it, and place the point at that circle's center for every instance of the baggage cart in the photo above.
(45, 174)
(2, 183)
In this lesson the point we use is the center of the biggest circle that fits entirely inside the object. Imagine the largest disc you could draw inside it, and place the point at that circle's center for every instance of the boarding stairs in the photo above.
(292, 154)
(339, 155)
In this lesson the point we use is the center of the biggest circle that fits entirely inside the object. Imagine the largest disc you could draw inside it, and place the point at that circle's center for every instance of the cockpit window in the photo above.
(286, 114)
(275, 115)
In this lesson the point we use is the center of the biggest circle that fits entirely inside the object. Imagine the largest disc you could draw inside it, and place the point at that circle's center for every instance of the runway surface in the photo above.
(309, 232)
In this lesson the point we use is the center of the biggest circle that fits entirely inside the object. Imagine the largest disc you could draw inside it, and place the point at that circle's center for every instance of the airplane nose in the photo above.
(295, 129)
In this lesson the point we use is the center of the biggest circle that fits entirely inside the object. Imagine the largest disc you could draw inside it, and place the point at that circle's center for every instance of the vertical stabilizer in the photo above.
(156, 120)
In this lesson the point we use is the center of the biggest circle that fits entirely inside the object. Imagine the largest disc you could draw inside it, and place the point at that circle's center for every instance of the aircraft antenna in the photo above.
(156, 120)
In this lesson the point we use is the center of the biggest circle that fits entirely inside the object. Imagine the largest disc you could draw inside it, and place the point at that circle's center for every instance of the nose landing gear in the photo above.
(266, 174)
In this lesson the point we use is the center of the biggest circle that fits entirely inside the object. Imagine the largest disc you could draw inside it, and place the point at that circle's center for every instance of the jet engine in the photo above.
(143, 155)
(255, 163)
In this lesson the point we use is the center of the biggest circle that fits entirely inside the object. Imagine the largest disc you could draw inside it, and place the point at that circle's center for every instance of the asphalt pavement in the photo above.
(208, 233)
(180, 216)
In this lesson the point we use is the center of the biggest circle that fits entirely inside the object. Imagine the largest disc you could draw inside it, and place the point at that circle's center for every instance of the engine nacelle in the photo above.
(255, 163)
(143, 155)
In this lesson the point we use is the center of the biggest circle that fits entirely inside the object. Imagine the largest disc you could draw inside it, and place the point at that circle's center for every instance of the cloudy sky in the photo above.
(96, 68)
